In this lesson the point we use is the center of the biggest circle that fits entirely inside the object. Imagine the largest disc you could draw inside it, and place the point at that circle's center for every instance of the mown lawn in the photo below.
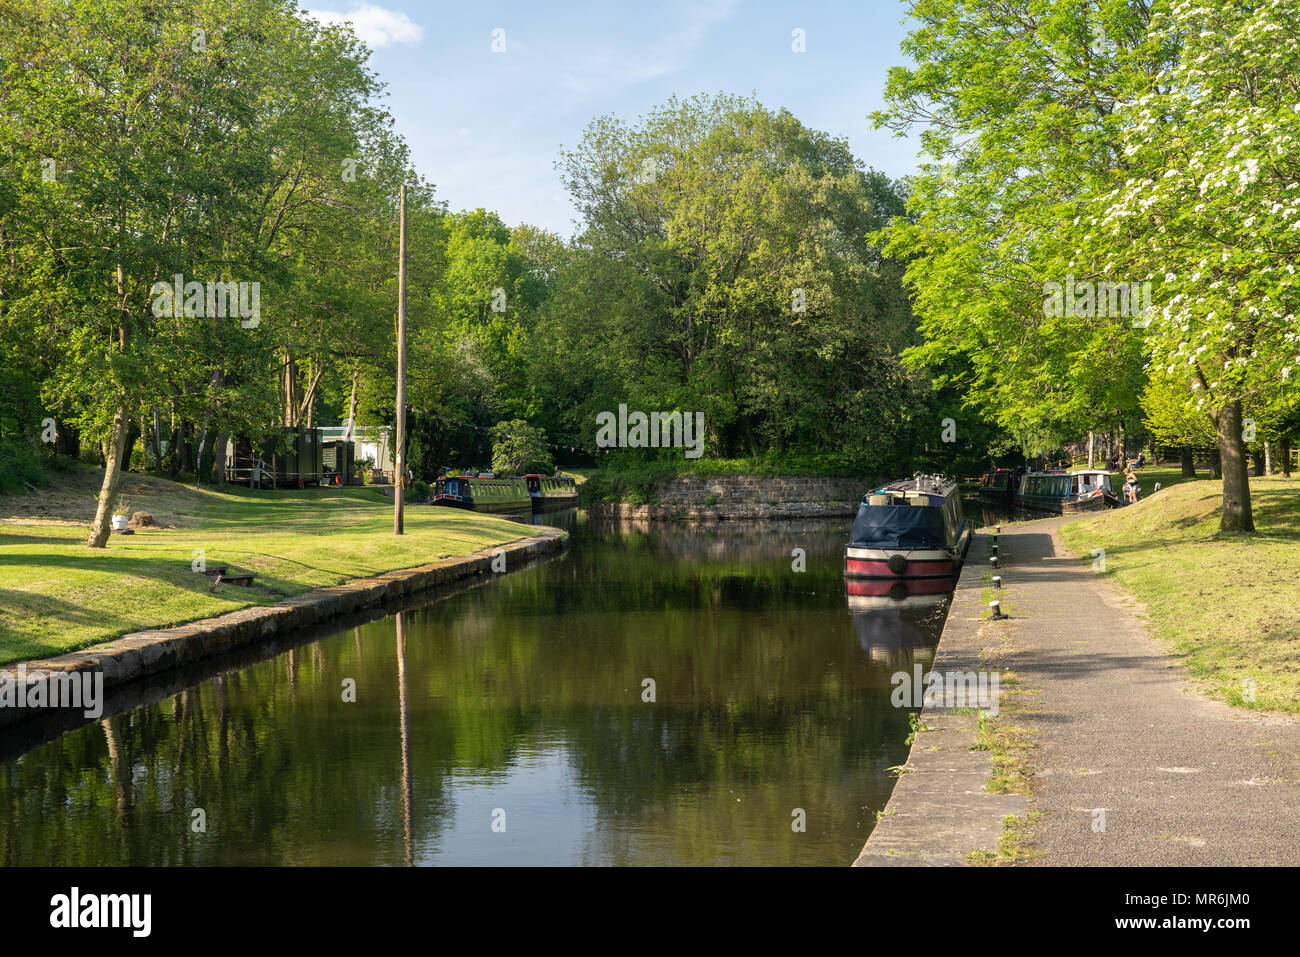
(56, 595)
(1226, 604)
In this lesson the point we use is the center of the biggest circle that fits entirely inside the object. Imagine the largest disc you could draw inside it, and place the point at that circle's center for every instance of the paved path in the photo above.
(940, 811)
(1183, 780)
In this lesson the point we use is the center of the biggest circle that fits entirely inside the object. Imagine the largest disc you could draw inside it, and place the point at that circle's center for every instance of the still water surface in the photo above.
(506, 724)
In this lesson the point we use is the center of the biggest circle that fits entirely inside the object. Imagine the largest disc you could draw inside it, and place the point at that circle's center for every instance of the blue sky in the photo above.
(486, 128)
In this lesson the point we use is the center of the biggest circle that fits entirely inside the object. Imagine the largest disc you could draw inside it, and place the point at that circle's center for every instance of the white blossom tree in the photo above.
(1210, 207)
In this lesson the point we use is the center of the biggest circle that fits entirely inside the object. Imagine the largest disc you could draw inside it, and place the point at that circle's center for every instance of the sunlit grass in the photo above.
(56, 595)
(1225, 603)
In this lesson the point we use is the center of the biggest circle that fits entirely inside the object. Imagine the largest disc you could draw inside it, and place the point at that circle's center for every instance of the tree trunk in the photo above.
(174, 446)
(1092, 449)
(1284, 453)
(1189, 462)
(352, 408)
(1237, 516)
(1257, 459)
(133, 433)
(157, 441)
(101, 527)
(1216, 463)
(219, 458)
(1268, 458)
(289, 386)
(217, 378)
(185, 458)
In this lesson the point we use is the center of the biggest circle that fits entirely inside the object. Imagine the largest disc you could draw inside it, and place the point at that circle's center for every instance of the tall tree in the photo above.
(725, 268)
(1016, 107)
(1212, 203)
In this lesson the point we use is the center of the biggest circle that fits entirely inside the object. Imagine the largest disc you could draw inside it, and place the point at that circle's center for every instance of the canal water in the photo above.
(657, 695)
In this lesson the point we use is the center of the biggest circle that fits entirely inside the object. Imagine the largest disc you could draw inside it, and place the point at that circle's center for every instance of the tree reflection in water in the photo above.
(525, 694)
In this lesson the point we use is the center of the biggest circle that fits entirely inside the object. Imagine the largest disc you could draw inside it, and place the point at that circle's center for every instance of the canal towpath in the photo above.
(1183, 779)
(1130, 764)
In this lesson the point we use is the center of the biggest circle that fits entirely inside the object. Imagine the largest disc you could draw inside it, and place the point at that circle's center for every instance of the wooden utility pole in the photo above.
(399, 458)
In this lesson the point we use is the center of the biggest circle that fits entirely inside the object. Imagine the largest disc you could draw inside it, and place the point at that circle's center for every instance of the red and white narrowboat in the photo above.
(909, 538)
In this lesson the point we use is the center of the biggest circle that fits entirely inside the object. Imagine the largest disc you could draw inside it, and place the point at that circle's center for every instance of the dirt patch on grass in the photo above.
(70, 499)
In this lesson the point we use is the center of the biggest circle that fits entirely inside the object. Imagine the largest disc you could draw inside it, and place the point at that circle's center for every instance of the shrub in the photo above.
(19, 466)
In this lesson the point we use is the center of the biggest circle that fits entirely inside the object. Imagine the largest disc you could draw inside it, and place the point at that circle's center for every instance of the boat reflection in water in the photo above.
(565, 518)
(900, 629)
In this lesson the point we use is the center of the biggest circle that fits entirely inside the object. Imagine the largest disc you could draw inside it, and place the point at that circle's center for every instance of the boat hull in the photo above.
(493, 507)
(1058, 506)
(482, 494)
(898, 588)
(551, 491)
(907, 540)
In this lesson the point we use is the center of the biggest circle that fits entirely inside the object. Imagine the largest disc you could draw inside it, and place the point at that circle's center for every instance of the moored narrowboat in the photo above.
(1064, 492)
(551, 491)
(999, 485)
(482, 493)
(909, 538)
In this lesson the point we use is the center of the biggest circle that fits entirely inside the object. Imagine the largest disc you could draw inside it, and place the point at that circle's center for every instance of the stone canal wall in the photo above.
(940, 811)
(145, 653)
(722, 498)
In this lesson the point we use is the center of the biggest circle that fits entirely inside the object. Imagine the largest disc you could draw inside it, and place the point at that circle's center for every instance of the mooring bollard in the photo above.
(997, 529)
(994, 561)
(996, 607)
(997, 581)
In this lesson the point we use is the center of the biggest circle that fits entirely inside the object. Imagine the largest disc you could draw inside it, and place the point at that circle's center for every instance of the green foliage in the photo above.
(518, 447)
(1209, 201)
(1017, 112)
(20, 465)
(725, 268)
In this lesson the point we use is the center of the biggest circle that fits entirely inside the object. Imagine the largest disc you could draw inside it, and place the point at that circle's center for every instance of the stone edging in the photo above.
(705, 498)
(144, 653)
(939, 811)
(735, 511)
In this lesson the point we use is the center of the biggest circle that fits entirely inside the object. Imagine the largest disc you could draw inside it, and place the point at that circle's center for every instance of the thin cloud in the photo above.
(668, 54)
(374, 25)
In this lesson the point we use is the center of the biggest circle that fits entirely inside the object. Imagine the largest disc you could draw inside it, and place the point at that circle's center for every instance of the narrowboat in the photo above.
(909, 538)
(1063, 492)
(484, 492)
(999, 485)
(551, 491)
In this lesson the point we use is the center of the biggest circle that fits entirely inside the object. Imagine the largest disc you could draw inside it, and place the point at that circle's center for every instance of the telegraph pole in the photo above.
(399, 459)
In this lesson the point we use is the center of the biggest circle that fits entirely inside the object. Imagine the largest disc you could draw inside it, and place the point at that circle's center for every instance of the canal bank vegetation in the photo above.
(1132, 147)
(58, 597)
(780, 320)
(1224, 603)
(1010, 742)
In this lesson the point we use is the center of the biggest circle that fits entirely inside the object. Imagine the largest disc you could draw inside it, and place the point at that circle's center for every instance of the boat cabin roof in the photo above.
(918, 490)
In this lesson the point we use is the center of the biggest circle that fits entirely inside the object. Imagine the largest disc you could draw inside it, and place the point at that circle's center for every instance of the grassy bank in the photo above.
(56, 595)
(1225, 604)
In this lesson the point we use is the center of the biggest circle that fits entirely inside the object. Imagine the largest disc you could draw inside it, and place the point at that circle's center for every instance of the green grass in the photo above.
(56, 595)
(1225, 604)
